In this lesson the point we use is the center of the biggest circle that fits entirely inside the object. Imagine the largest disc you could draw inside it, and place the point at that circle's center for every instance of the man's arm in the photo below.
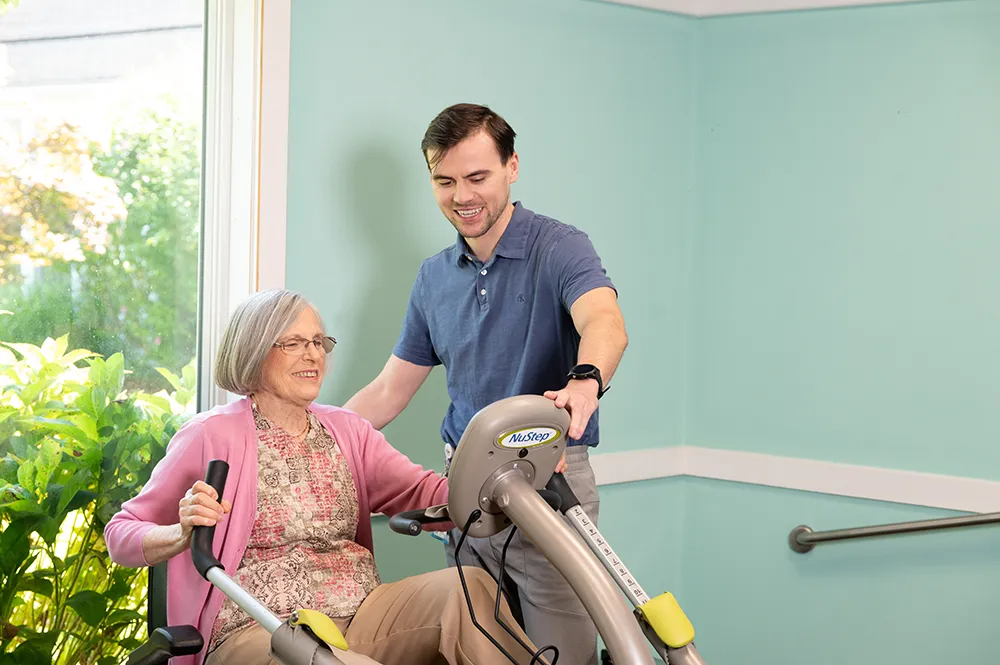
(603, 340)
(388, 394)
(602, 331)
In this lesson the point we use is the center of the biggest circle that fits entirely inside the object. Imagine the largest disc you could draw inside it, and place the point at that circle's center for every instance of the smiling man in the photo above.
(520, 304)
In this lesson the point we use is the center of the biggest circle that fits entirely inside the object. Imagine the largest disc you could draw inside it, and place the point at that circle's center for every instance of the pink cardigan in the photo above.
(386, 480)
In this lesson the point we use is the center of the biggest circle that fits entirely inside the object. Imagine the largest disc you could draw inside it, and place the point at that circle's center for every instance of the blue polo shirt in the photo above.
(502, 328)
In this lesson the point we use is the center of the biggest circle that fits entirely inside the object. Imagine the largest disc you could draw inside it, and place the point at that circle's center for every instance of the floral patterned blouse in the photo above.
(301, 552)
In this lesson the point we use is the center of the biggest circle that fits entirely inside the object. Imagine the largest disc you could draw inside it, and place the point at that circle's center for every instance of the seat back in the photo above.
(156, 597)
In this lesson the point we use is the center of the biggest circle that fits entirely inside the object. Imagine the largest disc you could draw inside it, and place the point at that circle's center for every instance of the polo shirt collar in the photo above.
(513, 243)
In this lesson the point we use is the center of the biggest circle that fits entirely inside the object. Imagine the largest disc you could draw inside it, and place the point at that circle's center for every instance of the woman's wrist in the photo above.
(164, 542)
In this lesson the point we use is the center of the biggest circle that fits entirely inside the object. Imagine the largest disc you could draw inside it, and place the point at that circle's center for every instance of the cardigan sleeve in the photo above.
(394, 482)
(157, 503)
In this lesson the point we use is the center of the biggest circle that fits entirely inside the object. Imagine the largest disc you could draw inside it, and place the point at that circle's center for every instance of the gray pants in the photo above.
(551, 611)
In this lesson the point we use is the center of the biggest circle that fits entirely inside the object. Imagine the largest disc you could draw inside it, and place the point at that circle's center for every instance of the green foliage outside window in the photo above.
(102, 245)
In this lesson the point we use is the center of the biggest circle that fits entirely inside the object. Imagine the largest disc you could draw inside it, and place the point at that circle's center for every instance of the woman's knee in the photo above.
(476, 575)
(482, 587)
(483, 592)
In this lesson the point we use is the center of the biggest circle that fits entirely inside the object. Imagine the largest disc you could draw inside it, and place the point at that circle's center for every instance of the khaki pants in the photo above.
(551, 610)
(422, 620)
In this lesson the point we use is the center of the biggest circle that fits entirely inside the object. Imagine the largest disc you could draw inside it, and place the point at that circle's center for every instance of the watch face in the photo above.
(583, 369)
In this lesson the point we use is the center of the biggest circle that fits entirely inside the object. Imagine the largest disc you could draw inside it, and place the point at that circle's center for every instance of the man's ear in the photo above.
(512, 167)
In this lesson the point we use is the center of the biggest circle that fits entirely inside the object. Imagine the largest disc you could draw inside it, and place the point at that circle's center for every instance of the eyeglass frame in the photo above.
(318, 342)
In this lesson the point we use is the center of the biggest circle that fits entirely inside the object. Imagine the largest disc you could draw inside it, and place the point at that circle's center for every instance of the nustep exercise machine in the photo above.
(502, 473)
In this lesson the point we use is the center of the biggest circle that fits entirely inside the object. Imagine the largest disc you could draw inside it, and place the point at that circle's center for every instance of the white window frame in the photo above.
(244, 194)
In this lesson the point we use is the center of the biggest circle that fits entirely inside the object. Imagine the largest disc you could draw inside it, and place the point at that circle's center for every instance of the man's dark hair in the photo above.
(459, 122)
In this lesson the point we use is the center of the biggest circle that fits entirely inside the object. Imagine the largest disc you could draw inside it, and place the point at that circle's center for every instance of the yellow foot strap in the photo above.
(322, 627)
(668, 621)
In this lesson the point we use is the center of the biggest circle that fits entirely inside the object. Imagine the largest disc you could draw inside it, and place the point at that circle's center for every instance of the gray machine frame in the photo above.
(499, 473)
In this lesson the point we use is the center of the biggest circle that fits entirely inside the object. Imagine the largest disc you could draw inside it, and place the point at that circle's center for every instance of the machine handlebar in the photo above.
(410, 522)
(203, 536)
(557, 483)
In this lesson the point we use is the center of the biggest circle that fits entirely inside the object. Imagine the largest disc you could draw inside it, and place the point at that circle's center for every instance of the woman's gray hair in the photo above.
(253, 329)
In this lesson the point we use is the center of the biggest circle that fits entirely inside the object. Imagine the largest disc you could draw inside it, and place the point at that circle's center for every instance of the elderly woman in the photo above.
(293, 523)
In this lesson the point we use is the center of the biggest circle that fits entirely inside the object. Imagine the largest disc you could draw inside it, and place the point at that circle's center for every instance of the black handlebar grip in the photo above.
(557, 483)
(405, 524)
(551, 498)
(203, 536)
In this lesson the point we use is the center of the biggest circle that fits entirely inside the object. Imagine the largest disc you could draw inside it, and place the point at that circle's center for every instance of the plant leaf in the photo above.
(96, 373)
(174, 380)
(26, 475)
(8, 470)
(85, 402)
(99, 398)
(119, 617)
(158, 403)
(115, 373)
(48, 529)
(7, 356)
(15, 545)
(21, 506)
(59, 426)
(50, 349)
(31, 354)
(190, 376)
(34, 651)
(77, 482)
(30, 392)
(6, 412)
(75, 356)
(90, 605)
(49, 456)
(62, 343)
(122, 582)
(36, 585)
(81, 499)
(130, 644)
(86, 423)
(91, 457)
(21, 448)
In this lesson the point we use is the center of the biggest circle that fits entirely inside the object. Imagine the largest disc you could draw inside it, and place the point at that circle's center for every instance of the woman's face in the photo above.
(296, 377)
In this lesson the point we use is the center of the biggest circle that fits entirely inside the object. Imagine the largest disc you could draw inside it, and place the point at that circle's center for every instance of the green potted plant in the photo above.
(74, 445)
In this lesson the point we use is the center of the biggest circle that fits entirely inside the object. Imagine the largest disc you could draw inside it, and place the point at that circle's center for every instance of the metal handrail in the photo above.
(803, 539)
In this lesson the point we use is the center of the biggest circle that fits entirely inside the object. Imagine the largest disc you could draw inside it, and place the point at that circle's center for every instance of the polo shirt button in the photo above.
(483, 292)
(483, 272)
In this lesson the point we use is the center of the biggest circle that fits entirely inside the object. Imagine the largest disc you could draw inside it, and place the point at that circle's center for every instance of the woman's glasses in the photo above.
(300, 347)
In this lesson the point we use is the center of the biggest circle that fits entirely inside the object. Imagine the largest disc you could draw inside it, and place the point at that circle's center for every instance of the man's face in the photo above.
(471, 186)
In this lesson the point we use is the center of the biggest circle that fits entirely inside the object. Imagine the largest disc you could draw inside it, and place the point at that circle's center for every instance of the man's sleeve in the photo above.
(414, 344)
(577, 268)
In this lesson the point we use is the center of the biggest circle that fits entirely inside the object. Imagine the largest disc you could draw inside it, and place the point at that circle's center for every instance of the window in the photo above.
(142, 174)
(100, 133)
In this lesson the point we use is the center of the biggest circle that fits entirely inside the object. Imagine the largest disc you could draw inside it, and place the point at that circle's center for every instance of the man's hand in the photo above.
(561, 466)
(579, 397)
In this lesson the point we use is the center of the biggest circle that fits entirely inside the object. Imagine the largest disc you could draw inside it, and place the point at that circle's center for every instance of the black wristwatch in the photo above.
(586, 371)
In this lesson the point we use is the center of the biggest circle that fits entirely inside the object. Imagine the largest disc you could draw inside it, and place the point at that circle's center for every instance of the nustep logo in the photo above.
(529, 437)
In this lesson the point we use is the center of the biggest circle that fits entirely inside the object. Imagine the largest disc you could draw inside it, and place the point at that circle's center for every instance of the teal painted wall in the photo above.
(800, 212)
(844, 308)
(846, 270)
(915, 600)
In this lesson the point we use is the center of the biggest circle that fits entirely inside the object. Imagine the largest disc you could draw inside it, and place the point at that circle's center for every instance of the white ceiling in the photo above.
(721, 7)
